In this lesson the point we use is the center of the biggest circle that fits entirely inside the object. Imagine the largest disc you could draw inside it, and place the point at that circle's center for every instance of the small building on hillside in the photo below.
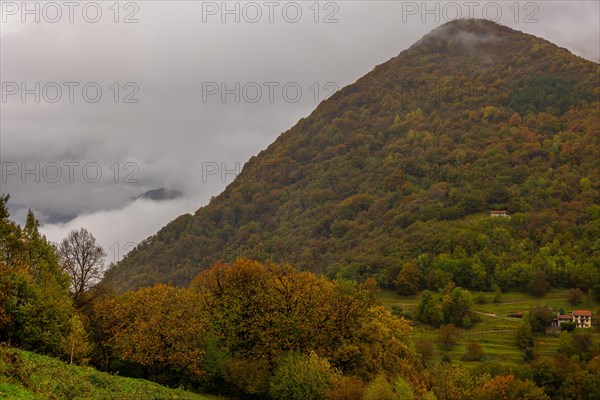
(581, 318)
(560, 319)
(499, 213)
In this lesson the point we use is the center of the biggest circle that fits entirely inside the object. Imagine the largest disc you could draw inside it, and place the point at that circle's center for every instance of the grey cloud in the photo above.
(172, 133)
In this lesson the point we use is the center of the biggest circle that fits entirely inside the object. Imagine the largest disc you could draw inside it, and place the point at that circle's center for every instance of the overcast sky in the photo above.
(101, 103)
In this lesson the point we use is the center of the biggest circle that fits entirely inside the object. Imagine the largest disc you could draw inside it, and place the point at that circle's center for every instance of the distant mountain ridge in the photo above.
(159, 194)
(405, 164)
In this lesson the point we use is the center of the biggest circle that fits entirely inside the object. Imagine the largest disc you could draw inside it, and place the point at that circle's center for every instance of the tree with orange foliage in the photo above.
(262, 312)
(507, 387)
(160, 328)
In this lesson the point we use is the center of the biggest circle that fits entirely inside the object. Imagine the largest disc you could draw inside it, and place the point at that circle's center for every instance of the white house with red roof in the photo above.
(581, 318)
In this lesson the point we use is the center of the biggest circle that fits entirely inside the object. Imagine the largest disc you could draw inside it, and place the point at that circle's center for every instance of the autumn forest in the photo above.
(453, 187)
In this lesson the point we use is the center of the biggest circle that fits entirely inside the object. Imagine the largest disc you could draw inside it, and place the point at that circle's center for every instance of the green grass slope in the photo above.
(25, 375)
(496, 331)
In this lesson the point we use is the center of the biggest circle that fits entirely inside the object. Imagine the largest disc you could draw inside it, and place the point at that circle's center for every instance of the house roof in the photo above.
(582, 313)
(564, 317)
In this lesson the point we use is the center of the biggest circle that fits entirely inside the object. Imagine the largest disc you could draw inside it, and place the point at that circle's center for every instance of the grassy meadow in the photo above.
(25, 375)
(496, 330)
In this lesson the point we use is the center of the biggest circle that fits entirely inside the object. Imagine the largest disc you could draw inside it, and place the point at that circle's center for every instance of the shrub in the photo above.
(380, 389)
(451, 382)
(568, 326)
(528, 355)
(474, 351)
(448, 335)
(424, 348)
(249, 376)
(403, 390)
(497, 293)
(523, 335)
(480, 298)
(302, 377)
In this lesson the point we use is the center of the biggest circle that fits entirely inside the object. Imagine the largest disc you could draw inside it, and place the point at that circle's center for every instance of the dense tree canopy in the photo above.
(35, 305)
(407, 162)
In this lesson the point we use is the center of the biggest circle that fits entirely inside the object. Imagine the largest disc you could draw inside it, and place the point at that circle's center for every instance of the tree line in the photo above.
(252, 330)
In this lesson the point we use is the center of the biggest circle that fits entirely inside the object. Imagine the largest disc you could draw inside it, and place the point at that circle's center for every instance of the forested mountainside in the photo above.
(404, 166)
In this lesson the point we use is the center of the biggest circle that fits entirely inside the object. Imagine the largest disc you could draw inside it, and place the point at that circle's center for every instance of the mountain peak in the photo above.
(159, 194)
(468, 32)
(408, 160)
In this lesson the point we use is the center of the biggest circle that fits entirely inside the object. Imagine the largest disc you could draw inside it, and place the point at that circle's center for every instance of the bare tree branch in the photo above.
(83, 259)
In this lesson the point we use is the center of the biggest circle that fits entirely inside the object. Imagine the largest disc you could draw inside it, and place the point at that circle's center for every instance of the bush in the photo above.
(380, 389)
(249, 376)
(467, 322)
(568, 326)
(424, 348)
(528, 355)
(480, 298)
(474, 351)
(448, 335)
(497, 293)
(403, 390)
(302, 377)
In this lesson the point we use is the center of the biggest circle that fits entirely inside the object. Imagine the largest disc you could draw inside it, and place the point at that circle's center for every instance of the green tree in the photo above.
(457, 306)
(548, 374)
(42, 320)
(540, 285)
(523, 335)
(429, 309)
(36, 306)
(409, 279)
(77, 345)
(539, 318)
